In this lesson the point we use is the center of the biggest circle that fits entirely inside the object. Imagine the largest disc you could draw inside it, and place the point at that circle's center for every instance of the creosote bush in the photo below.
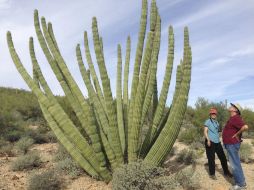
(187, 156)
(66, 164)
(27, 161)
(6, 149)
(136, 176)
(51, 137)
(69, 167)
(48, 180)
(186, 178)
(142, 176)
(190, 135)
(196, 145)
(39, 135)
(13, 135)
(246, 152)
(24, 144)
(61, 154)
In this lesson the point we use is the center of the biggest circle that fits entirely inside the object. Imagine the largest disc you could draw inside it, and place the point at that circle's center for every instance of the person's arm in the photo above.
(243, 128)
(206, 135)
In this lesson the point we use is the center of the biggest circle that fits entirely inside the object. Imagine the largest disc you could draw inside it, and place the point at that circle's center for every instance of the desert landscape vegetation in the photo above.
(32, 158)
(127, 137)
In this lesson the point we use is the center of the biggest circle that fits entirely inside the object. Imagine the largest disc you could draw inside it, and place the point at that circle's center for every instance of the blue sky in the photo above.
(221, 34)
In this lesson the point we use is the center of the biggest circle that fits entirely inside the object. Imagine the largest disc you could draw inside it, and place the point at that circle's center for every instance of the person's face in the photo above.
(213, 116)
(232, 110)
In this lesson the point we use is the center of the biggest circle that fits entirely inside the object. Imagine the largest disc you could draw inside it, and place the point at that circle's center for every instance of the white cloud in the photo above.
(242, 52)
(5, 4)
(248, 103)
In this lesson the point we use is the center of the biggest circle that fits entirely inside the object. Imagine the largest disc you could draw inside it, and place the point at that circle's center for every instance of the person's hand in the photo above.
(236, 136)
(208, 143)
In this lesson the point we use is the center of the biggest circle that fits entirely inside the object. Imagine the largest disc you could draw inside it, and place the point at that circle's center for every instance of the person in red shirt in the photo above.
(231, 136)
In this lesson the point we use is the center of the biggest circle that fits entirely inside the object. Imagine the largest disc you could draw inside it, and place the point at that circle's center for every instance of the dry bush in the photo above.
(183, 179)
(24, 144)
(27, 161)
(69, 167)
(187, 157)
(136, 176)
(245, 152)
(7, 150)
(45, 181)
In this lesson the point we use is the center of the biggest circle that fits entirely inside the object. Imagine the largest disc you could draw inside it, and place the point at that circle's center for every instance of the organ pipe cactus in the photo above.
(114, 130)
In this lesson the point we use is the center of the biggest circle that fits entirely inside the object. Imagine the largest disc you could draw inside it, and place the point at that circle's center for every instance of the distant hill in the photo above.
(17, 100)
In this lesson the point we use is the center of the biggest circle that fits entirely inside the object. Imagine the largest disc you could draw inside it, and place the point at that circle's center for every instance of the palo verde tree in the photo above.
(112, 128)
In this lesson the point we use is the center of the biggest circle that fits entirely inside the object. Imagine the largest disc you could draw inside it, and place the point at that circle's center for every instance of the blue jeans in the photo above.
(234, 160)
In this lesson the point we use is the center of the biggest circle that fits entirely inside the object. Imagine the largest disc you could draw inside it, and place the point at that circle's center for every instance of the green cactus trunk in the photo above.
(113, 128)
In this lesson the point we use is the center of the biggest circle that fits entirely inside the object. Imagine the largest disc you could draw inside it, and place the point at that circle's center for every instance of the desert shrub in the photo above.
(28, 161)
(3, 142)
(46, 180)
(249, 134)
(65, 163)
(69, 167)
(13, 136)
(172, 151)
(61, 153)
(187, 157)
(183, 179)
(6, 149)
(51, 137)
(197, 145)
(23, 144)
(245, 152)
(252, 142)
(189, 135)
(136, 176)
(141, 176)
(41, 135)
(187, 178)
(39, 138)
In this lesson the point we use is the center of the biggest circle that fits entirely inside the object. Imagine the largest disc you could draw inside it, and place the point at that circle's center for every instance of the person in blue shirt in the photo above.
(213, 144)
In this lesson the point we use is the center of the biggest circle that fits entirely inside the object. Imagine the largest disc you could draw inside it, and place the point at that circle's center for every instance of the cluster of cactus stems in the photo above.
(113, 129)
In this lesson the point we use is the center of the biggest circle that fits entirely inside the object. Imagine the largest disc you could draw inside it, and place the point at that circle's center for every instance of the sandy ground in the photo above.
(10, 180)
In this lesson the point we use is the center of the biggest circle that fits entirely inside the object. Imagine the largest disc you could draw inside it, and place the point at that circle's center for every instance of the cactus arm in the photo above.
(59, 115)
(98, 109)
(93, 72)
(153, 68)
(113, 136)
(52, 35)
(169, 133)
(125, 89)
(119, 98)
(91, 127)
(92, 94)
(76, 155)
(137, 63)
(139, 99)
(152, 81)
(166, 82)
(72, 150)
(58, 73)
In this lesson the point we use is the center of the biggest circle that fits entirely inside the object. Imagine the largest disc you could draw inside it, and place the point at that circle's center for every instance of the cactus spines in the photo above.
(113, 128)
